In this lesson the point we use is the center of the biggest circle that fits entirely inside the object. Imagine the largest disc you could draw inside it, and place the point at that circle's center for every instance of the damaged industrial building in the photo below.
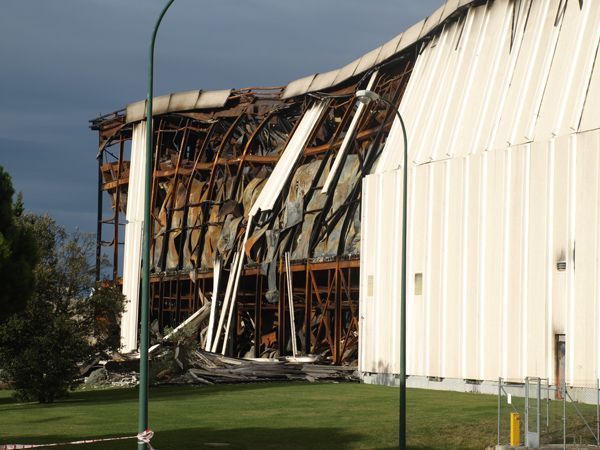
(277, 215)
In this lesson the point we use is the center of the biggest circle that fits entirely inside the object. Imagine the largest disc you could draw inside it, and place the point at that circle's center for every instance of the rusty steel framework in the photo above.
(209, 167)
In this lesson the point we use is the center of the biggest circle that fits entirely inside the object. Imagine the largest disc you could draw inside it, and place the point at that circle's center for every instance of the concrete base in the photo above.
(547, 447)
(439, 384)
(587, 394)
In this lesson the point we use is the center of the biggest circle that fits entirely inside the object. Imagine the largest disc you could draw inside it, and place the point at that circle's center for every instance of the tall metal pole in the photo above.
(403, 283)
(143, 387)
(99, 221)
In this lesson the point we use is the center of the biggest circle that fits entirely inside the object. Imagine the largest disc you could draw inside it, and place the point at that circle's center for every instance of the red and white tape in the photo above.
(142, 437)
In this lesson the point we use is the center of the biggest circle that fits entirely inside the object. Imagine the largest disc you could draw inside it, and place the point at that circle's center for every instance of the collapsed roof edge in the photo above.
(198, 99)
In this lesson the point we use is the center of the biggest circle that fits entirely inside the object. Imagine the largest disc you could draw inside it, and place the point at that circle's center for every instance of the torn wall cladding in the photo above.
(236, 188)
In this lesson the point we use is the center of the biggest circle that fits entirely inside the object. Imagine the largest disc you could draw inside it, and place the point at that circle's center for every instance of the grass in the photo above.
(258, 416)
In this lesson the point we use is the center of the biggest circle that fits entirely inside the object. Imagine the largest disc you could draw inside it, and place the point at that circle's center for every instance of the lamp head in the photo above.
(365, 96)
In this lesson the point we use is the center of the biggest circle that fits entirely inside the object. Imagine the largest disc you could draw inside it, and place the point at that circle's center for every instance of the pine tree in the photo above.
(18, 252)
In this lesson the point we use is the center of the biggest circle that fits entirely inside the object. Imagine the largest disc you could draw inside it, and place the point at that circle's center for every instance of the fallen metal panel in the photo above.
(213, 304)
(341, 154)
(226, 299)
(132, 258)
(282, 170)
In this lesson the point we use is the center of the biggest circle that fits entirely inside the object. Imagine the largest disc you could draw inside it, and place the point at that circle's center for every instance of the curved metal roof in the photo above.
(191, 100)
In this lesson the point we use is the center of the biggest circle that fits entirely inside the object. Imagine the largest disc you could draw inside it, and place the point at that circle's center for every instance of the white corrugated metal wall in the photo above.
(132, 253)
(503, 118)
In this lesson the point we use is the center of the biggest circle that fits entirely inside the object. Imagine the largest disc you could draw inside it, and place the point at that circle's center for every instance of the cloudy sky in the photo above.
(63, 62)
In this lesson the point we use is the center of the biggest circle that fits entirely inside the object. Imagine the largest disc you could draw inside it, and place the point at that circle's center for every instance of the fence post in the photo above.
(499, 405)
(527, 411)
(538, 409)
(547, 403)
(597, 411)
(564, 395)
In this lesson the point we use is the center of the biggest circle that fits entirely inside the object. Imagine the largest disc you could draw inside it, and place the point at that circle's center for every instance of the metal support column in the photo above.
(99, 220)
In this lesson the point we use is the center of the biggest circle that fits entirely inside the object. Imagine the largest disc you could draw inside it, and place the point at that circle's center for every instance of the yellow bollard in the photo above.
(515, 429)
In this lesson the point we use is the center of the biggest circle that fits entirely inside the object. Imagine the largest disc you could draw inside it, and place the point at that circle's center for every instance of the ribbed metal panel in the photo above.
(504, 142)
(132, 253)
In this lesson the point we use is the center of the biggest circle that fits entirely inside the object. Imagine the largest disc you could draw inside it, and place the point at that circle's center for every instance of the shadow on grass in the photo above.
(116, 395)
(7, 399)
(233, 438)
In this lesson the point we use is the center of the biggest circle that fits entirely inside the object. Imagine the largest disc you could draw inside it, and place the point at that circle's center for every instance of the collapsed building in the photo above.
(277, 211)
(242, 178)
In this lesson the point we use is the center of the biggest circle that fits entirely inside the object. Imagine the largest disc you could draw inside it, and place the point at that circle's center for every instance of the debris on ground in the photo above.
(180, 365)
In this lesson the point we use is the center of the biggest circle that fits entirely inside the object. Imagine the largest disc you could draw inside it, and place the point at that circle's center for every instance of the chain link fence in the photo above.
(549, 415)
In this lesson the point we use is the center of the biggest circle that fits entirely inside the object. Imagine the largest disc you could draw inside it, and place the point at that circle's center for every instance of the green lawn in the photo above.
(258, 416)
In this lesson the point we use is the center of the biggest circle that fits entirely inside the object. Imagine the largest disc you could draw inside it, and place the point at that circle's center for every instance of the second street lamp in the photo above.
(366, 96)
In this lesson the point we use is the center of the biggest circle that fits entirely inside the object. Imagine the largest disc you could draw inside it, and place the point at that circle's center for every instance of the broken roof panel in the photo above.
(324, 80)
(367, 61)
(217, 99)
(432, 21)
(298, 87)
(183, 101)
(347, 71)
(388, 49)
(135, 111)
(179, 101)
(410, 36)
(160, 105)
(378, 55)
(213, 99)
(450, 8)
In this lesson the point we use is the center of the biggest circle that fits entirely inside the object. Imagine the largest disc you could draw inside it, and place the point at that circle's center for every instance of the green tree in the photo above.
(66, 323)
(41, 349)
(18, 252)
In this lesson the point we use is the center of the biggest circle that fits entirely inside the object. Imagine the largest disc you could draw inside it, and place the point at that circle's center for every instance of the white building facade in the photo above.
(503, 118)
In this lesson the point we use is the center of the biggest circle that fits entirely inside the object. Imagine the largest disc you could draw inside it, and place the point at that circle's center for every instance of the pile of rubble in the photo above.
(190, 365)
(210, 368)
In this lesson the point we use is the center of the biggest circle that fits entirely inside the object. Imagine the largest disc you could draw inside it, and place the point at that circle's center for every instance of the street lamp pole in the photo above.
(143, 386)
(366, 97)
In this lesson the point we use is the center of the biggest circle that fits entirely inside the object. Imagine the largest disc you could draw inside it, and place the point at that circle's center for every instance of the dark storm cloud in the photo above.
(63, 62)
